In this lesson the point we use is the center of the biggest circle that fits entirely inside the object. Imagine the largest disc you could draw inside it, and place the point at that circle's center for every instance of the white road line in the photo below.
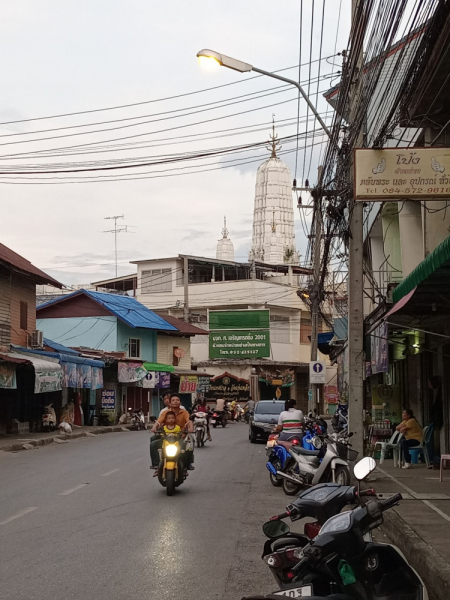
(138, 460)
(21, 513)
(414, 494)
(74, 489)
(110, 472)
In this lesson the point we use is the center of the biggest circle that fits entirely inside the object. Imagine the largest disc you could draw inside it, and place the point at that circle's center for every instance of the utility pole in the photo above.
(356, 275)
(115, 231)
(186, 289)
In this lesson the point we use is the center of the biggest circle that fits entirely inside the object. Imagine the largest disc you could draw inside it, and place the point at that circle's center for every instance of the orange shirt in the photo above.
(181, 417)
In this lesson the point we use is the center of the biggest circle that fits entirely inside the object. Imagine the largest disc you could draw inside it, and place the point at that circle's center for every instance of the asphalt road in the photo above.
(85, 520)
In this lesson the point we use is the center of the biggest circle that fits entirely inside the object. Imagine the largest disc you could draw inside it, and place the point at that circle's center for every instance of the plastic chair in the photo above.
(424, 448)
(393, 444)
(444, 457)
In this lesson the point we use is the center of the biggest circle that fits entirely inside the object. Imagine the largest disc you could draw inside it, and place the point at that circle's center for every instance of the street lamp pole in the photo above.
(242, 67)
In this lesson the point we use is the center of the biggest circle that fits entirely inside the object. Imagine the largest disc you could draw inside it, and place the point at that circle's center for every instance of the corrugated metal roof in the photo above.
(22, 264)
(13, 359)
(125, 308)
(59, 347)
(183, 327)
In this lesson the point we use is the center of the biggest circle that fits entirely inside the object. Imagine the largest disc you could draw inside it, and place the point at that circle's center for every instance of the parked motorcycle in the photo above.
(329, 462)
(137, 419)
(171, 471)
(49, 418)
(340, 563)
(339, 420)
(200, 427)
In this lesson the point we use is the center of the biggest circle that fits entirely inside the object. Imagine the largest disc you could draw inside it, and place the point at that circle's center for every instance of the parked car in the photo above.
(265, 419)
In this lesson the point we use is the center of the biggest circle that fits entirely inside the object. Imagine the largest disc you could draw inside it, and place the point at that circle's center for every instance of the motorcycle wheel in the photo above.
(199, 438)
(290, 488)
(170, 482)
(224, 422)
(214, 425)
(342, 475)
(274, 479)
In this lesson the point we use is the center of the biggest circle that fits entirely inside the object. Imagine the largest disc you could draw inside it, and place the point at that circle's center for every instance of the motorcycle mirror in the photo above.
(273, 529)
(364, 467)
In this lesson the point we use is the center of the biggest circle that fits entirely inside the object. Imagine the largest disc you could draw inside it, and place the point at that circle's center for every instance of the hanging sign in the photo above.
(203, 384)
(108, 399)
(188, 384)
(130, 372)
(401, 173)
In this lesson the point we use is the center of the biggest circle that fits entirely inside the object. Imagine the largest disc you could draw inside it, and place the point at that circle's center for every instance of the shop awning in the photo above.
(150, 366)
(48, 372)
(431, 275)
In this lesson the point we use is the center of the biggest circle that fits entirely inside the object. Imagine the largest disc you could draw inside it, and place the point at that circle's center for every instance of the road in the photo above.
(85, 520)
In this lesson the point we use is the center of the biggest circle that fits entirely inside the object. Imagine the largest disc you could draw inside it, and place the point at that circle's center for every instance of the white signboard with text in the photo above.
(317, 372)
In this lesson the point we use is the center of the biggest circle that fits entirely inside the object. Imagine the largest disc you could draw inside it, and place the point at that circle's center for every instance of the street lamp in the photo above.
(242, 67)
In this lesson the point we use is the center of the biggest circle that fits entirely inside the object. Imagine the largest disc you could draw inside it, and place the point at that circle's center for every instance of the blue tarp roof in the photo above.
(62, 357)
(60, 347)
(125, 308)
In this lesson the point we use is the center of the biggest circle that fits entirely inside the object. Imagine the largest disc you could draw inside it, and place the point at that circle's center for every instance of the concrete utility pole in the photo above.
(356, 279)
(186, 289)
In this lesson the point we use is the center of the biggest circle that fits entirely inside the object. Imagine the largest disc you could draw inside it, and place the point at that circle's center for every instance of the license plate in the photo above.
(305, 591)
(213, 421)
(270, 444)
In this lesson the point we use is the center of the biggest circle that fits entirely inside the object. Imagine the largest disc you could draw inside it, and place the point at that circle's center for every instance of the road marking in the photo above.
(110, 472)
(138, 460)
(21, 513)
(416, 495)
(74, 489)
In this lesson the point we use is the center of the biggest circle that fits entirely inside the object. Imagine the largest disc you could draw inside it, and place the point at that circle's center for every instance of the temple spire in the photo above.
(273, 141)
(225, 231)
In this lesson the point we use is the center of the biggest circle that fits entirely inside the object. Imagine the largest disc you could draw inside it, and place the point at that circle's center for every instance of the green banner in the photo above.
(239, 319)
(239, 344)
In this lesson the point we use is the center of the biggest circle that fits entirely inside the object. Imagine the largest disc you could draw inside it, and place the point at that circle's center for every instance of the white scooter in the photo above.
(329, 463)
(200, 428)
(49, 418)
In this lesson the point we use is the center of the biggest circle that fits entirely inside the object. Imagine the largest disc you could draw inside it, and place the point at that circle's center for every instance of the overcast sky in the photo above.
(63, 57)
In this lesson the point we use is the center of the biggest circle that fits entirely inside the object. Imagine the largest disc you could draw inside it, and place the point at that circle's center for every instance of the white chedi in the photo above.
(225, 248)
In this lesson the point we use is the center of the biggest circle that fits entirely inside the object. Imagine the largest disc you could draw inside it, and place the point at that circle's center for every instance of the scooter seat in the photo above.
(300, 450)
(286, 445)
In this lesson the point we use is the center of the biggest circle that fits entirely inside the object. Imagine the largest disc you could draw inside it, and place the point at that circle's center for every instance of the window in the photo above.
(23, 315)
(134, 348)
(305, 331)
(156, 280)
(280, 330)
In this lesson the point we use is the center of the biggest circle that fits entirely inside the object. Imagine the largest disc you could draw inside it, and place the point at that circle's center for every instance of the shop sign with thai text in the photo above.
(392, 173)
(188, 384)
(239, 344)
(229, 387)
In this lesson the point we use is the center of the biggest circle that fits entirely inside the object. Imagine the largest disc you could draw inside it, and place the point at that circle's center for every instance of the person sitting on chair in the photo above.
(413, 434)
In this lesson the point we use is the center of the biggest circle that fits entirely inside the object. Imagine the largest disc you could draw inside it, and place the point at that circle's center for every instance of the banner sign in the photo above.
(203, 384)
(97, 378)
(47, 381)
(229, 387)
(188, 384)
(108, 399)
(379, 349)
(131, 372)
(84, 376)
(331, 394)
(164, 381)
(401, 173)
(239, 344)
(8, 376)
(239, 319)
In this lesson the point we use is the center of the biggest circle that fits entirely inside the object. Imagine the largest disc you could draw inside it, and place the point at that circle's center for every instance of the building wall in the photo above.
(5, 311)
(92, 332)
(166, 344)
(147, 337)
(21, 289)
(79, 306)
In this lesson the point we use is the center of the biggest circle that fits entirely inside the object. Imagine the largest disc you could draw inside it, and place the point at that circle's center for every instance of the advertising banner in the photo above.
(131, 372)
(402, 173)
(97, 378)
(47, 381)
(239, 344)
(239, 319)
(188, 384)
(164, 381)
(379, 349)
(108, 399)
(86, 373)
(8, 376)
(69, 374)
(331, 394)
(229, 387)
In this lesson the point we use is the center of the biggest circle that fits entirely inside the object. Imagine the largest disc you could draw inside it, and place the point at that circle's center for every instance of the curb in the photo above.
(423, 558)
(16, 446)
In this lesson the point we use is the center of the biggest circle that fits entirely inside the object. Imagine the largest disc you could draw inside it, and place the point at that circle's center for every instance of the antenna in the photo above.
(115, 231)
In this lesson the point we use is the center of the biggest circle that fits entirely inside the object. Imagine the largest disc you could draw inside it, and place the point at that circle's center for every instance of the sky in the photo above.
(74, 56)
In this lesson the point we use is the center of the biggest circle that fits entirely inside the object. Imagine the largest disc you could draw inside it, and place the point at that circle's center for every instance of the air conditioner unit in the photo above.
(37, 339)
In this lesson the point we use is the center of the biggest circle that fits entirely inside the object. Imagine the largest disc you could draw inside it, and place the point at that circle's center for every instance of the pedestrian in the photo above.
(413, 434)
(290, 422)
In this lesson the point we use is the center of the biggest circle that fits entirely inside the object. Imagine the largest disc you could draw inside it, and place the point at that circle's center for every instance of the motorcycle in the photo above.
(238, 413)
(279, 457)
(137, 420)
(49, 418)
(321, 503)
(340, 563)
(171, 471)
(200, 427)
(329, 462)
(219, 417)
(339, 420)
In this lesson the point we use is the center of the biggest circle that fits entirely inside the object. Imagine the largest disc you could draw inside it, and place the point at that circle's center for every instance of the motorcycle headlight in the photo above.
(316, 442)
(171, 450)
(338, 523)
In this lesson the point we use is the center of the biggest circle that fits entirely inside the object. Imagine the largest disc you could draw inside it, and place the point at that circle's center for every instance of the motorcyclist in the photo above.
(182, 419)
(290, 422)
(202, 406)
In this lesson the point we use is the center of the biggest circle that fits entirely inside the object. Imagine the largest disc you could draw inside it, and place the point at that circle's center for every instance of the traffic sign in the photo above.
(317, 372)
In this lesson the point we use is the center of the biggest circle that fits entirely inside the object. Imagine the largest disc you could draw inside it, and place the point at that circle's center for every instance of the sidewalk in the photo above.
(420, 525)
(14, 443)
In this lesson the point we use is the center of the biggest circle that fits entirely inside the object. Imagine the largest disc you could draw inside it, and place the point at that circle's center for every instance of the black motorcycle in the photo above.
(219, 417)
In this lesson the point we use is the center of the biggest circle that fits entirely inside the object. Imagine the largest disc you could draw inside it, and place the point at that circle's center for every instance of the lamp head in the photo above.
(223, 60)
